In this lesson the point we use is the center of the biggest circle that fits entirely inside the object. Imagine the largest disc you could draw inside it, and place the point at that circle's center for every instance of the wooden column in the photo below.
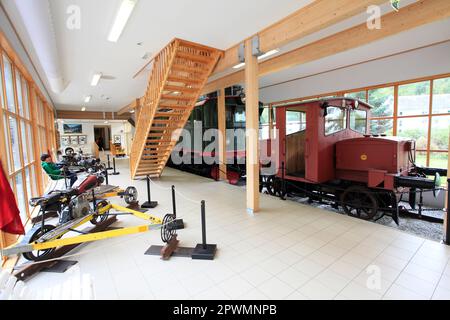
(271, 135)
(222, 134)
(252, 128)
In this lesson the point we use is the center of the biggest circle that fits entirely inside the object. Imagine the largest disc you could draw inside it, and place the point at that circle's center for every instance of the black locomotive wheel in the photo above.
(359, 202)
(264, 183)
(131, 195)
(37, 255)
(276, 188)
(99, 218)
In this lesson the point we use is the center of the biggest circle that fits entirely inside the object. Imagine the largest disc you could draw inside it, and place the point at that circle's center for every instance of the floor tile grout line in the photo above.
(401, 272)
(440, 278)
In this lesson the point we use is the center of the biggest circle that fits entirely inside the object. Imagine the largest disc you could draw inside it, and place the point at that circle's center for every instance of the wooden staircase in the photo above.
(180, 70)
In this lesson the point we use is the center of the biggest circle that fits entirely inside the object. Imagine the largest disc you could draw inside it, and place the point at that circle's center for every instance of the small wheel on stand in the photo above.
(359, 202)
(37, 255)
(167, 230)
(98, 218)
(131, 195)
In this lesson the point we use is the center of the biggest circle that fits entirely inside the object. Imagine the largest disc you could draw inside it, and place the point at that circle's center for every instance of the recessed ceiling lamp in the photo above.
(124, 13)
(131, 111)
(83, 109)
(87, 99)
(95, 79)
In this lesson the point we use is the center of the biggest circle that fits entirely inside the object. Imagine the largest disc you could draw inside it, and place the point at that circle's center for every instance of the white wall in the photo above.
(14, 41)
(117, 128)
(415, 64)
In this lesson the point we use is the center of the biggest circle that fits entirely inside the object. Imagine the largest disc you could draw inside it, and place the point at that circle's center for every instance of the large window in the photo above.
(27, 128)
(418, 109)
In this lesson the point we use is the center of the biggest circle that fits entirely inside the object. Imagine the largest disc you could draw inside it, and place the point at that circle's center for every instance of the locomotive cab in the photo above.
(308, 134)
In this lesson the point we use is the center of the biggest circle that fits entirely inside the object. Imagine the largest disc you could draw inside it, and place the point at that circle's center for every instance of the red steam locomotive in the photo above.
(324, 152)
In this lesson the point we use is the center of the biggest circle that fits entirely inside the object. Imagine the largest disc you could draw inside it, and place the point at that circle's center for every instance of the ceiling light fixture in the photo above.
(131, 111)
(239, 65)
(265, 55)
(268, 54)
(83, 109)
(124, 13)
(87, 99)
(95, 79)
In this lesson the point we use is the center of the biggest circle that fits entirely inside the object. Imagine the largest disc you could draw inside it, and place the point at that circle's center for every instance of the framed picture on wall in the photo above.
(117, 139)
(82, 139)
(72, 128)
(73, 140)
(65, 141)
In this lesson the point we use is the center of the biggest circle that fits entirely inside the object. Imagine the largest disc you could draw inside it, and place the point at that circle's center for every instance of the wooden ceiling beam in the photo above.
(409, 17)
(316, 16)
(88, 115)
(131, 106)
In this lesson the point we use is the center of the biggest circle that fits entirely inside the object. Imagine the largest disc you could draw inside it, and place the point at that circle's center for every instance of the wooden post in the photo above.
(222, 134)
(271, 135)
(446, 215)
(252, 128)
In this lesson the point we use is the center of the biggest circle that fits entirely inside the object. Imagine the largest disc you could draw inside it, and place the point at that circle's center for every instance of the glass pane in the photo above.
(361, 95)
(439, 160)
(2, 103)
(9, 84)
(8, 154)
(414, 128)
(335, 120)
(384, 126)
(14, 135)
(414, 99)
(382, 101)
(439, 133)
(24, 143)
(33, 181)
(26, 102)
(19, 93)
(30, 142)
(421, 159)
(358, 120)
(20, 197)
(295, 121)
(28, 183)
(441, 96)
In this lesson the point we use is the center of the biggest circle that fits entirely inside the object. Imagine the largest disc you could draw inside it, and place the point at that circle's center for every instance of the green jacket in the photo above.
(52, 170)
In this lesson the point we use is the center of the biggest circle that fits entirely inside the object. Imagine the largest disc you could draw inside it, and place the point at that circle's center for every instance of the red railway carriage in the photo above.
(323, 151)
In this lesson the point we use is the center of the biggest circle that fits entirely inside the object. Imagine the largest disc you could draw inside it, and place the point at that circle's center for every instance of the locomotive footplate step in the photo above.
(60, 266)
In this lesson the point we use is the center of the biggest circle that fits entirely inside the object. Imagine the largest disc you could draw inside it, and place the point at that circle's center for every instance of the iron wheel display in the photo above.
(131, 195)
(99, 218)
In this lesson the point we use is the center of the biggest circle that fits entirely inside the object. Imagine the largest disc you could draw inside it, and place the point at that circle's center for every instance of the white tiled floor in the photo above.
(287, 251)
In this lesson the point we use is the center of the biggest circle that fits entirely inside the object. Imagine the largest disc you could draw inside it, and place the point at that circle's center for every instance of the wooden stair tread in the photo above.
(194, 57)
(181, 79)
